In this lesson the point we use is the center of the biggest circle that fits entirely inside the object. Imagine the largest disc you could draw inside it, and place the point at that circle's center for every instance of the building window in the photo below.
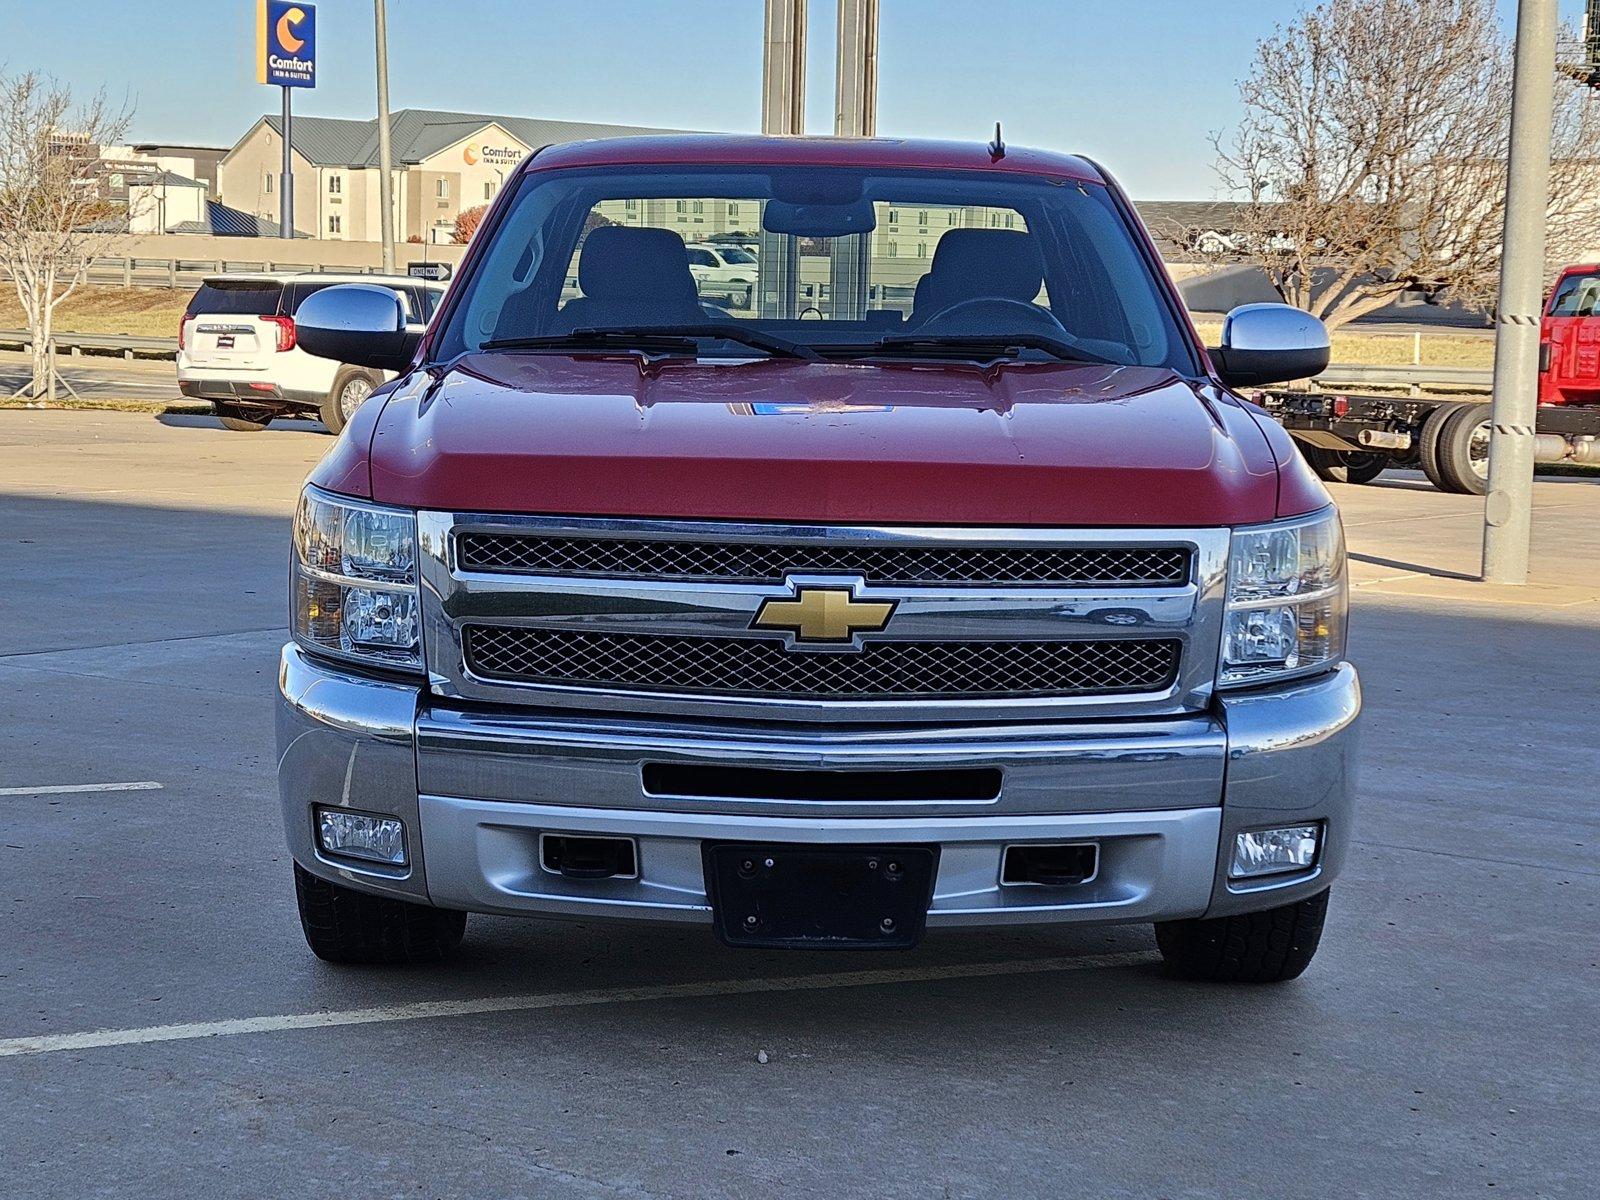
(335, 185)
(1011, 220)
(922, 249)
(922, 217)
(699, 206)
(441, 188)
(733, 210)
(952, 218)
(894, 216)
(335, 224)
(269, 185)
(488, 191)
(682, 206)
(894, 249)
(630, 205)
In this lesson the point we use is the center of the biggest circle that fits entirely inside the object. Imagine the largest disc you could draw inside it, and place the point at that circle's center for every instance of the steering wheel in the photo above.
(993, 314)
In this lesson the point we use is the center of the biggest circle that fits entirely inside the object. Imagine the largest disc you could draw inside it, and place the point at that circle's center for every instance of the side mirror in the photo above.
(1270, 343)
(358, 323)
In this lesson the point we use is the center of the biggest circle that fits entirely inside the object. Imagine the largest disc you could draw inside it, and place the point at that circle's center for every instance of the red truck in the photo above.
(936, 578)
(1354, 439)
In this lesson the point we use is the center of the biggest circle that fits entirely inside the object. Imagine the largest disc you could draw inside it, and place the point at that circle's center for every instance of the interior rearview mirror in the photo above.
(358, 323)
(1270, 343)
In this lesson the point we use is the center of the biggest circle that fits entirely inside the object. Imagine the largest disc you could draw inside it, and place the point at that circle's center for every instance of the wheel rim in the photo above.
(353, 396)
(1478, 450)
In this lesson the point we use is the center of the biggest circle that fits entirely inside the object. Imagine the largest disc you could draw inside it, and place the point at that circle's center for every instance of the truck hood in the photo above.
(915, 443)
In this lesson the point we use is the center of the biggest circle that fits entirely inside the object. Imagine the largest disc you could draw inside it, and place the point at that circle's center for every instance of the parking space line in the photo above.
(529, 1002)
(143, 785)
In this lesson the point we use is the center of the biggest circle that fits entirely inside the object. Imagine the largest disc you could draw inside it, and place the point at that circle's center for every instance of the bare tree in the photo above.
(1372, 156)
(53, 220)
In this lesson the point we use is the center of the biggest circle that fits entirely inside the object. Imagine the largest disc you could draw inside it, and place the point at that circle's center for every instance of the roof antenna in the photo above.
(997, 148)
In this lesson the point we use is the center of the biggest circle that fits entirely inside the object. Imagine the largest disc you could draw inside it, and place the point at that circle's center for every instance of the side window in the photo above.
(702, 258)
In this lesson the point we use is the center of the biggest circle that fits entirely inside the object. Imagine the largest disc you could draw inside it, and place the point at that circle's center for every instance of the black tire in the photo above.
(1428, 445)
(1346, 466)
(1463, 451)
(343, 925)
(236, 420)
(351, 387)
(1269, 946)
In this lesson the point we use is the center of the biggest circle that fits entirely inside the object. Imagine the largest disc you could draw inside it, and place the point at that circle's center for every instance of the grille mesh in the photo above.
(763, 667)
(751, 562)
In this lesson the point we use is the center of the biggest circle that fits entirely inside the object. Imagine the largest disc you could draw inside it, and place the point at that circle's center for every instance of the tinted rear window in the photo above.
(252, 300)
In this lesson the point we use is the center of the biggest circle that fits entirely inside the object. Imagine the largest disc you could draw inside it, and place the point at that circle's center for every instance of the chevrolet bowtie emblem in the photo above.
(819, 614)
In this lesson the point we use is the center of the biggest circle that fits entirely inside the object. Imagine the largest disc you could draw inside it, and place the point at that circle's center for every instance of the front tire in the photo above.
(1269, 946)
(1463, 453)
(343, 925)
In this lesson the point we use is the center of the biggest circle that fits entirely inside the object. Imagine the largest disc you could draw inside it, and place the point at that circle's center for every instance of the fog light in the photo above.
(362, 835)
(1274, 851)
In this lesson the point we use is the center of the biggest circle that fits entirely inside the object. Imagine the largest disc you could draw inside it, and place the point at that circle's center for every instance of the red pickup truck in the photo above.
(935, 577)
(1354, 439)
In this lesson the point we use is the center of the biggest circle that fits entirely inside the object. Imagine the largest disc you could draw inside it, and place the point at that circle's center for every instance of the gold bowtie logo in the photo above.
(824, 615)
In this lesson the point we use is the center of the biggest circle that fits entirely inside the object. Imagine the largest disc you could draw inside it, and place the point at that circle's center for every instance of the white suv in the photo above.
(236, 348)
(721, 264)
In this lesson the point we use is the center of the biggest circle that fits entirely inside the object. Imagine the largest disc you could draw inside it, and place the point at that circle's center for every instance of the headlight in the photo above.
(355, 581)
(1287, 601)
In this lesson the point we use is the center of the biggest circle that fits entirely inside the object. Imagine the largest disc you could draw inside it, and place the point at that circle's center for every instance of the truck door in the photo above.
(1569, 362)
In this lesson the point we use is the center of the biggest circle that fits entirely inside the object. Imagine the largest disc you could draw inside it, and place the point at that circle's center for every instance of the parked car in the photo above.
(237, 347)
(722, 264)
(817, 629)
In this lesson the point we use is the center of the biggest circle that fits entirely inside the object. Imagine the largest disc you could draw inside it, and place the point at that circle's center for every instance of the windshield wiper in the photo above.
(667, 339)
(980, 346)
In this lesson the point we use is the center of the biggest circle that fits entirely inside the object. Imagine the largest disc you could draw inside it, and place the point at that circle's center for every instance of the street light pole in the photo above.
(385, 153)
(1508, 508)
(286, 179)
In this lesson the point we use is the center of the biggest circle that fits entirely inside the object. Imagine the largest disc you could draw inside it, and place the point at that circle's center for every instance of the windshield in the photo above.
(1576, 296)
(846, 263)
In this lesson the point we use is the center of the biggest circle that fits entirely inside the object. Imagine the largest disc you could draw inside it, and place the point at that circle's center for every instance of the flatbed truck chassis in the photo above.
(1350, 438)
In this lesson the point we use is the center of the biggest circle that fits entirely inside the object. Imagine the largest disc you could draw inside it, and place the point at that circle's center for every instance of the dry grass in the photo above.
(114, 404)
(1397, 349)
(138, 312)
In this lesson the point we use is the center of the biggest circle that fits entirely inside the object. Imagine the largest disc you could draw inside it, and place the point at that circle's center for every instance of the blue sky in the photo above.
(1137, 84)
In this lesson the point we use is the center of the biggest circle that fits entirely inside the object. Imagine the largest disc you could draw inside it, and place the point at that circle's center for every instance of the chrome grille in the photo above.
(763, 667)
(766, 562)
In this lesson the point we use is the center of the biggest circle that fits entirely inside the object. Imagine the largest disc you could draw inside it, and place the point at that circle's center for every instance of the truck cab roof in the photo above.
(751, 149)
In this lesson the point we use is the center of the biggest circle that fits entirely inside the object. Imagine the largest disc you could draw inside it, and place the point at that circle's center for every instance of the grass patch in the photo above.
(113, 404)
(1369, 349)
(136, 312)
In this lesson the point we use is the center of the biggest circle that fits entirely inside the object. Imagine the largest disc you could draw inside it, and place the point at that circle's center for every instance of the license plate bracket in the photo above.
(789, 896)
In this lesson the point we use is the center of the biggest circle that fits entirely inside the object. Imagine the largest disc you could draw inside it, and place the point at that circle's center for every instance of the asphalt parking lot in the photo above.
(1442, 1044)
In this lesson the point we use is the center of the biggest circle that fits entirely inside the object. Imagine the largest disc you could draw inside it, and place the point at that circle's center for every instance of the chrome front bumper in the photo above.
(476, 789)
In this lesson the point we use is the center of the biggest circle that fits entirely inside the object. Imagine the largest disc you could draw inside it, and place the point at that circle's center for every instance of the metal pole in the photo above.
(783, 68)
(855, 112)
(286, 182)
(1508, 509)
(783, 111)
(385, 155)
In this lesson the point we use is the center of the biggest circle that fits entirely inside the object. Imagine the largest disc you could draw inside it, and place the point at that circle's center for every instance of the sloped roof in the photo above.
(416, 134)
(327, 141)
(223, 221)
(165, 179)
